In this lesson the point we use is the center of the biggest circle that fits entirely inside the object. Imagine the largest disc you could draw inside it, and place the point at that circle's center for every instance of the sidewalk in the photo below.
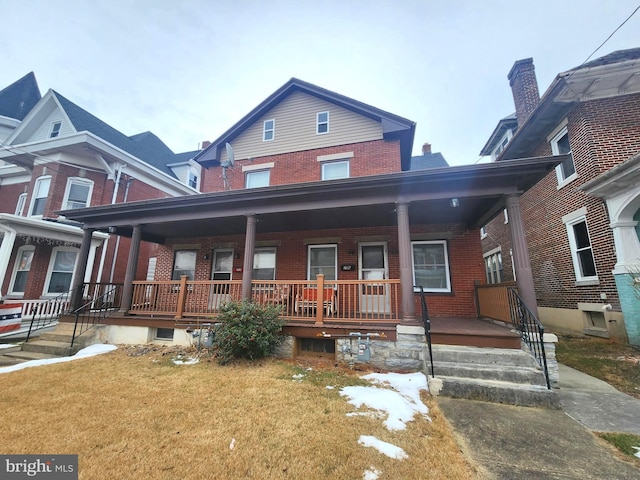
(509, 442)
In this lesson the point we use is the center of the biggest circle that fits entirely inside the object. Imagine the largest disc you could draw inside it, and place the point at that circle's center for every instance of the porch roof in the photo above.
(352, 202)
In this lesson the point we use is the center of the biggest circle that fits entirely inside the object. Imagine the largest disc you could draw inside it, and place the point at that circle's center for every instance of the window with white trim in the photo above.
(193, 180)
(55, 129)
(431, 265)
(184, 263)
(505, 213)
(322, 259)
(335, 170)
(77, 193)
(322, 123)
(269, 130)
(483, 232)
(22, 200)
(257, 179)
(264, 264)
(493, 266)
(581, 250)
(21, 270)
(60, 273)
(566, 171)
(40, 195)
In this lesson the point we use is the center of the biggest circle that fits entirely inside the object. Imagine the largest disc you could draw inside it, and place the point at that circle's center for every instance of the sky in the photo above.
(188, 70)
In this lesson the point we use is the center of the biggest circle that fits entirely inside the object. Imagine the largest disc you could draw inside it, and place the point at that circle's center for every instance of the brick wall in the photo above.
(369, 158)
(9, 197)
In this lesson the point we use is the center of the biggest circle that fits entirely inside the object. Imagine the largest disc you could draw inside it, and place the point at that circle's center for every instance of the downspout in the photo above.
(6, 248)
(105, 243)
(115, 253)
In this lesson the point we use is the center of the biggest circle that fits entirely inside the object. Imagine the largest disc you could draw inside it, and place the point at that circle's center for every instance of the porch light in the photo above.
(454, 202)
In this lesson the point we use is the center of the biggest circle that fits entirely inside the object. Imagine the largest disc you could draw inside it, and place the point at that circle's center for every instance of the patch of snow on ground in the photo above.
(298, 377)
(637, 454)
(186, 361)
(400, 404)
(89, 351)
(388, 449)
(371, 474)
(8, 345)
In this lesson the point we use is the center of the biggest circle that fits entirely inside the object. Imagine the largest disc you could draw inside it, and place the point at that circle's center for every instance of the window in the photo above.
(63, 261)
(322, 122)
(40, 194)
(483, 233)
(493, 266)
(581, 250)
(506, 216)
(193, 180)
(78, 193)
(257, 179)
(55, 129)
(502, 144)
(566, 171)
(322, 259)
(164, 333)
(431, 266)
(22, 199)
(21, 269)
(184, 263)
(335, 170)
(269, 130)
(264, 264)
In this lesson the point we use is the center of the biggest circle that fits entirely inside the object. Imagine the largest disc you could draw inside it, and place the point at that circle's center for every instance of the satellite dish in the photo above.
(230, 158)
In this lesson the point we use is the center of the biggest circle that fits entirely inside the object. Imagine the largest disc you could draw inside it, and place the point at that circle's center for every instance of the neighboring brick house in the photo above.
(54, 155)
(593, 113)
(314, 188)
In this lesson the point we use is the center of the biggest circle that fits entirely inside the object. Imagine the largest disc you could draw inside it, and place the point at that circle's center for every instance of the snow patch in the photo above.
(185, 361)
(371, 473)
(89, 351)
(388, 449)
(637, 454)
(8, 345)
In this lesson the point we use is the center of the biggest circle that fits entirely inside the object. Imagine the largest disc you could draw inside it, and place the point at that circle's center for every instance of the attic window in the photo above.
(322, 122)
(269, 130)
(55, 129)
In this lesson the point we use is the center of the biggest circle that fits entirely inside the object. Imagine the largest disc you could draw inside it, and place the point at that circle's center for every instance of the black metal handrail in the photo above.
(427, 324)
(96, 310)
(47, 313)
(530, 329)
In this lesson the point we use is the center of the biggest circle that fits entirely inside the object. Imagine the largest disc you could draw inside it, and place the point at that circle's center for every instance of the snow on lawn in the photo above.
(388, 449)
(180, 360)
(8, 345)
(371, 473)
(637, 454)
(400, 404)
(89, 351)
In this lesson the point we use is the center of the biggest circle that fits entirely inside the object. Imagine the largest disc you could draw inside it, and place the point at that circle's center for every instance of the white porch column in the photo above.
(627, 246)
(8, 241)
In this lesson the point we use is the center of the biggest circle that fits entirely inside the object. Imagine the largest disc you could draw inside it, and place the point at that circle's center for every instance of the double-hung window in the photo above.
(21, 269)
(60, 275)
(581, 249)
(40, 195)
(184, 263)
(322, 259)
(78, 193)
(493, 266)
(22, 200)
(269, 130)
(566, 171)
(431, 266)
(264, 264)
(55, 129)
(322, 123)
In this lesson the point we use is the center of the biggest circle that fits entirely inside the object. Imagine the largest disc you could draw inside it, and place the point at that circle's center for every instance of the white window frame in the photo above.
(333, 246)
(483, 232)
(36, 186)
(505, 213)
(326, 165)
(16, 269)
(269, 131)
(54, 131)
(502, 144)
(562, 179)
(175, 257)
(275, 261)
(447, 287)
(78, 181)
(570, 220)
(323, 122)
(494, 258)
(193, 180)
(257, 174)
(22, 200)
(50, 271)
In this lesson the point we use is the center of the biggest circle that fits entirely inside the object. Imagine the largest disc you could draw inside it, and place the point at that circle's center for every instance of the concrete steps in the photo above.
(498, 375)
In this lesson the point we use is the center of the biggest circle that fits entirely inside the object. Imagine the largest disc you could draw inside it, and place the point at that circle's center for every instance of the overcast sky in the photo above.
(189, 69)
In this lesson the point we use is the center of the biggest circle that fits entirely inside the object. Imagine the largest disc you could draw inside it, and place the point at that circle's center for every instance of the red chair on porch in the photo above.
(309, 299)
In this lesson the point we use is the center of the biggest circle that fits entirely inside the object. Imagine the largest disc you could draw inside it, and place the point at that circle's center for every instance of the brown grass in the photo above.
(144, 417)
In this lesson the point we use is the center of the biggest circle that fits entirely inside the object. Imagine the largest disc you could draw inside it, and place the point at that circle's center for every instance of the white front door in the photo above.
(373, 262)
(221, 269)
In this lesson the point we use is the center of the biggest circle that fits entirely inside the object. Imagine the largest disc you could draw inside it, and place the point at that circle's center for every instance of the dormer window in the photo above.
(322, 122)
(55, 129)
(269, 130)
(193, 180)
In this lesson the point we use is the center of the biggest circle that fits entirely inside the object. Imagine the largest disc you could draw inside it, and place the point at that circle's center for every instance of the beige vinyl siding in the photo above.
(295, 128)
(42, 133)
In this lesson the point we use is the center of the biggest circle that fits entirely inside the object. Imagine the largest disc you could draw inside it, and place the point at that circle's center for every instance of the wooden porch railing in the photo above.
(493, 301)
(310, 301)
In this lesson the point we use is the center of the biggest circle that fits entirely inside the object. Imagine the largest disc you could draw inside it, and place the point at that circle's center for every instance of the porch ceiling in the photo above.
(354, 202)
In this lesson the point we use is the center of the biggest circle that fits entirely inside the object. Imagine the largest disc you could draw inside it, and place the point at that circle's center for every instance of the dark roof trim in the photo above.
(393, 126)
(503, 125)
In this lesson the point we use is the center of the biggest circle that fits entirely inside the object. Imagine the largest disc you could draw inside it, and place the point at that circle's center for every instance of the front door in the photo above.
(221, 269)
(374, 297)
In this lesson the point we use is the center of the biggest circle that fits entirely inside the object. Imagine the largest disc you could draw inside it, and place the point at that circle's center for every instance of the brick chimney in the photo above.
(524, 87)
(205, 144)
(426, 148)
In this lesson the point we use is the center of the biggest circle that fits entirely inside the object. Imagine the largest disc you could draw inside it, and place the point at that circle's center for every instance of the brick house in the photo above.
(54, 155)
(314, 202)
(592, 113)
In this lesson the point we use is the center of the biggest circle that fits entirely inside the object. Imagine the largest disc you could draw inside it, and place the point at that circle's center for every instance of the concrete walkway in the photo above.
(507, 442)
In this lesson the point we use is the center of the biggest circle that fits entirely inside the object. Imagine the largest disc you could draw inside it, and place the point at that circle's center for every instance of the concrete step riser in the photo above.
(522, 375)
(24, 356)
(480, 356)
(532, 397)
(51, 348)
